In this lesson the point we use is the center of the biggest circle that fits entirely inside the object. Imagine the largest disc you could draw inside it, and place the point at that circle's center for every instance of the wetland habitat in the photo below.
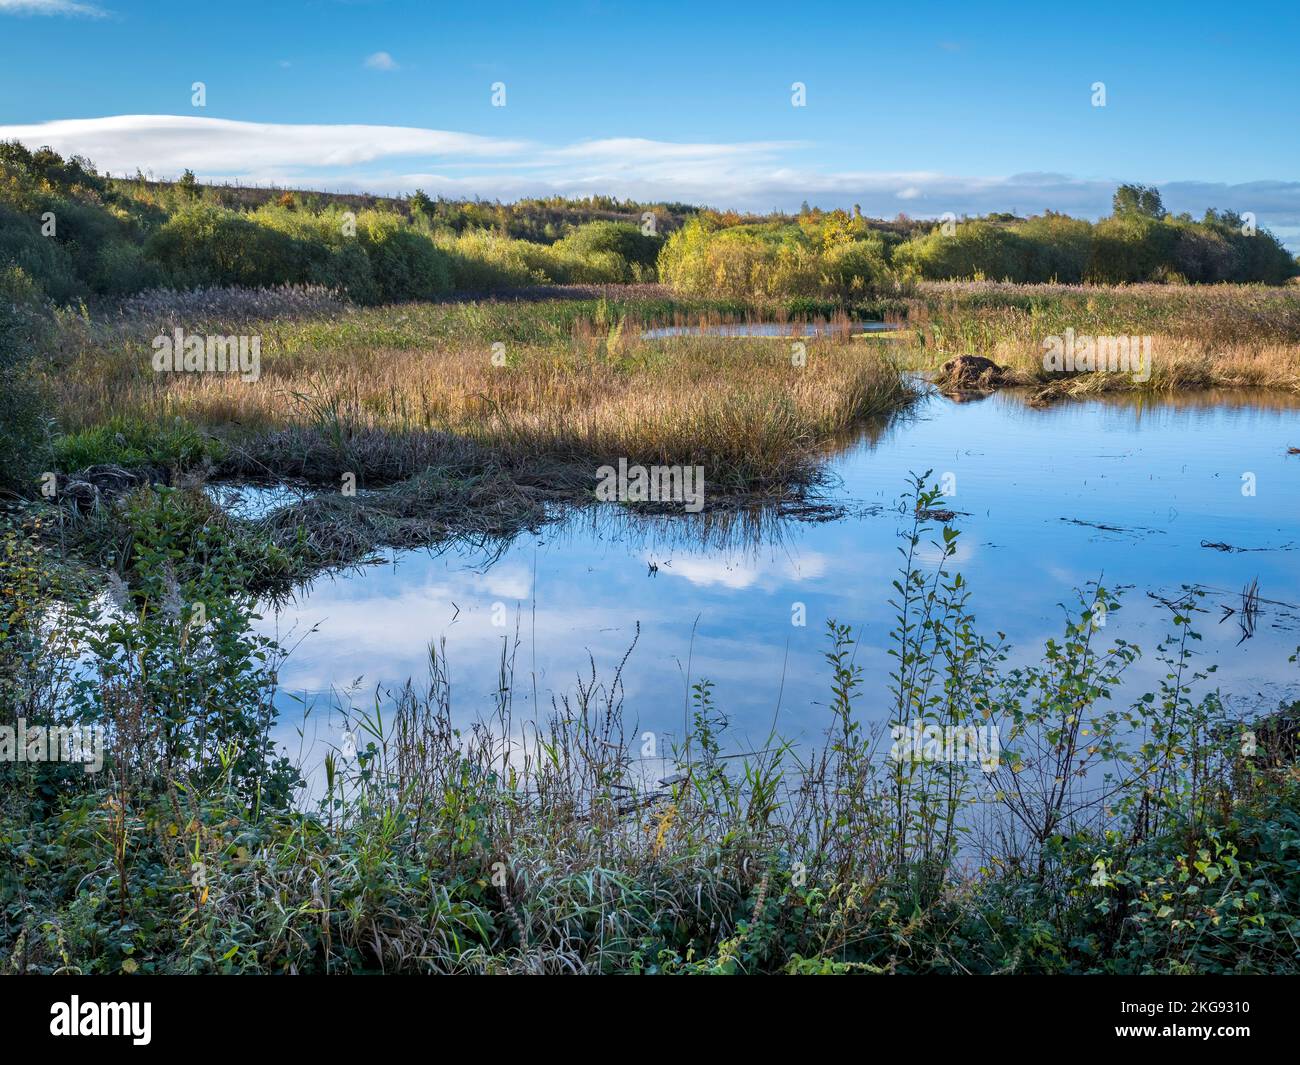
(389, 676)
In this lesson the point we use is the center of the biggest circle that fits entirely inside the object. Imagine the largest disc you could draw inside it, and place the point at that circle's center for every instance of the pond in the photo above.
(769, 329)
(1132, 490)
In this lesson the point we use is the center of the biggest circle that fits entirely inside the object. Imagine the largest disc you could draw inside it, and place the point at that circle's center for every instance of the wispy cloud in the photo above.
(169, 144)
(381, 61)
(747, 175)
(51, 7)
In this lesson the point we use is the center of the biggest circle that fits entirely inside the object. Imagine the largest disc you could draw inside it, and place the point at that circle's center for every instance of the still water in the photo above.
(1124, 489)
(769, 329)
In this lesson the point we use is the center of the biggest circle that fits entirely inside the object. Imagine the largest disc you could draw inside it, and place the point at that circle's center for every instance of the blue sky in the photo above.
(923, 108)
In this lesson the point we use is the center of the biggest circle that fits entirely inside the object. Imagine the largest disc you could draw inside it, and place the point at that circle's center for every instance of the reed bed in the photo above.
(1202, 336)
(527, 387)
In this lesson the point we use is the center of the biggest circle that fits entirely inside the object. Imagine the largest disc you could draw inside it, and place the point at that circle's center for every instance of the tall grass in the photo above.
(1202, 336)
(535, 386)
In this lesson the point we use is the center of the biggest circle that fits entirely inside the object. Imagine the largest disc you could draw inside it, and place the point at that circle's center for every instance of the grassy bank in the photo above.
(1201, 336)
(550, 845)
(420, 421)
(548, 391)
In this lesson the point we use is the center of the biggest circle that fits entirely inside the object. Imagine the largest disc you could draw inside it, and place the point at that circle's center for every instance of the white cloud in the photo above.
(51, 7)
(739, 571)
(381, 61)
(169, 144)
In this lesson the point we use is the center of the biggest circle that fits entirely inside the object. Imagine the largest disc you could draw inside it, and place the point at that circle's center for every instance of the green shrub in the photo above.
(208, 245)
(122, 268)
(622, 238)
(974, 250)
(405, 263)
(335, 255)
(483, 261)
(855, 268)
(24, 425)
(43, 260)
(1129, 248)
(1055, 247)
(765, 263)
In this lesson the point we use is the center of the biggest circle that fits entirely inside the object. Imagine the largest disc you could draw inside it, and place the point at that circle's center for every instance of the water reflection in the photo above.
(1119, 488)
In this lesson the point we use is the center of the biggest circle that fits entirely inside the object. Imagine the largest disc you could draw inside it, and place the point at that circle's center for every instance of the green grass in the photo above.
(127, 441)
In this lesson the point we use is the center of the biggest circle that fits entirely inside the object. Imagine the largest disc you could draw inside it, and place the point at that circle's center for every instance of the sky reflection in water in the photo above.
(1167, 473)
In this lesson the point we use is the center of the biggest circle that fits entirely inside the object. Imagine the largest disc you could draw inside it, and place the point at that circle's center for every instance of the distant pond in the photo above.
(768, 329)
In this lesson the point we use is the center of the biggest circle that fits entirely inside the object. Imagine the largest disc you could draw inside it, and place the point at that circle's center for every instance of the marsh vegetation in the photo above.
(420, 352)
(1110, 838)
